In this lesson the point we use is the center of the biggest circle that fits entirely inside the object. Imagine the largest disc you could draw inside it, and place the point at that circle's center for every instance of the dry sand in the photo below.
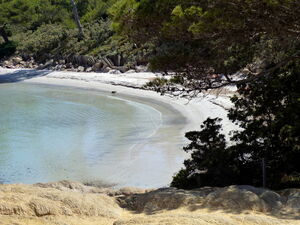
(128, 84)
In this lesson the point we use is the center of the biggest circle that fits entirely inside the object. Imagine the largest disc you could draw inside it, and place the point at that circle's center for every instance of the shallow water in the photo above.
(50, 133)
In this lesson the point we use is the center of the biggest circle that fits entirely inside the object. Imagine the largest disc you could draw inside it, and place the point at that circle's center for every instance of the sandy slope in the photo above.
(75, 204)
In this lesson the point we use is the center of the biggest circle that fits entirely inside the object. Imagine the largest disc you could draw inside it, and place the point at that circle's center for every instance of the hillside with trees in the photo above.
(207, 44)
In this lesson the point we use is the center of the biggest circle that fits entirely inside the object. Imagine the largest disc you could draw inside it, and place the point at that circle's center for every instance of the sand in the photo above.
(73, 203)
(195, 111)
(153, 162)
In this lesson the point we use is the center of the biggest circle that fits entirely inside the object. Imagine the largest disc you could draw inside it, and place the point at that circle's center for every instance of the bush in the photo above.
(157, 82)
(7, 49)
(267, 110)
(182, 180)
(56, 39)
(208, 164)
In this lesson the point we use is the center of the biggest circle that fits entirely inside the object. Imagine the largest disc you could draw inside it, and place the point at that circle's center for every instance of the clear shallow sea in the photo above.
(50, 133)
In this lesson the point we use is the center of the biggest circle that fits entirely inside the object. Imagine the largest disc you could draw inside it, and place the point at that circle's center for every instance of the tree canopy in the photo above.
(201, 38)
(254, 44)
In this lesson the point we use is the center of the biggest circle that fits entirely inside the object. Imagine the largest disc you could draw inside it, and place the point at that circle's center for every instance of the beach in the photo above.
(128, 84)
(75, 203)
(152, 162)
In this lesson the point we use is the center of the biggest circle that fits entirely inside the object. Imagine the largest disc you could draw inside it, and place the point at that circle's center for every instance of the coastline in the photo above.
(195, 111)
(74, 203)
(163, 150)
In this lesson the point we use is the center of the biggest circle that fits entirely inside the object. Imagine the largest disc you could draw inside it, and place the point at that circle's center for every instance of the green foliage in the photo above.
(122, 8)
(183, 180)
(208, 164)
(93, 10)
(177, 80)
(30, 14)
(291, 181)
(57, 39)
(7, 49)
(210, 36)
(157, 82)
(268, 111)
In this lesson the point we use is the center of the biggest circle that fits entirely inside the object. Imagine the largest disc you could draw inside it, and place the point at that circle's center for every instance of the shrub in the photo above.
(7, 49)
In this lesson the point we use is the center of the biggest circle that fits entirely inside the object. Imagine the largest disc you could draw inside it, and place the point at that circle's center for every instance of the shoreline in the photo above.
(75, 203)
(165, 146)
(195, 111)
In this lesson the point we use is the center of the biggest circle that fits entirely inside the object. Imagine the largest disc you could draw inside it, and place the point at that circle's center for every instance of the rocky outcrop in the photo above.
(68, 202)
(74, 63)
(233, 198)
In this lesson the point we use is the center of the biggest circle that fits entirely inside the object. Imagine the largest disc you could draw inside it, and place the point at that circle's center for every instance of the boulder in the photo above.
(141, 69)
(113, 71)
(89, 69)
(97, 66)
(47, 65)
(106, 69)
(7, 64)
(236, 199)
(80, 69)
(16, 60)
(130, 71)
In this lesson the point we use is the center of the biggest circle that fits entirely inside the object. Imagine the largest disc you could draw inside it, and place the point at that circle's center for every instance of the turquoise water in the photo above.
(50, 133)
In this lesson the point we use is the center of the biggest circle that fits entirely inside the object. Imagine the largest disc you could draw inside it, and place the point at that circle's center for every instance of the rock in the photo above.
(293, 203)
(8, 208)
(89, 69)
(162, 199)
(16, 60)
(62, 61)
(43, 207)
(98, 66)
(293, 200)
(69, 65)
(127, 191)
(80, 69)
(7, 64)
(69, 202)
(41, 201)
(113, 71)
(106, 69)
(130, 71)
(235, 198)
(272, 199)
(141, 69)
(48, 64)
(23, 63)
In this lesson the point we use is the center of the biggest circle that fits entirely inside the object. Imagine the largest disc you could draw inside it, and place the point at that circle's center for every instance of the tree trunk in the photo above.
(76, 18)
(4, 34)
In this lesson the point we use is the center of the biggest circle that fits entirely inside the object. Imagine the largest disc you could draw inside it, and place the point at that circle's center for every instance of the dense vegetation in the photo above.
(254, 44)
(212, 42)
(46, 29)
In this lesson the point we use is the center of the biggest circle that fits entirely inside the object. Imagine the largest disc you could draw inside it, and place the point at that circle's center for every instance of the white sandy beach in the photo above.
(169, 160)
(128, 84)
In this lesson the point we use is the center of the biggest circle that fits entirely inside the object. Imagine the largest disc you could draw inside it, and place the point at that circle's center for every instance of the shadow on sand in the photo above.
(21, 75)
